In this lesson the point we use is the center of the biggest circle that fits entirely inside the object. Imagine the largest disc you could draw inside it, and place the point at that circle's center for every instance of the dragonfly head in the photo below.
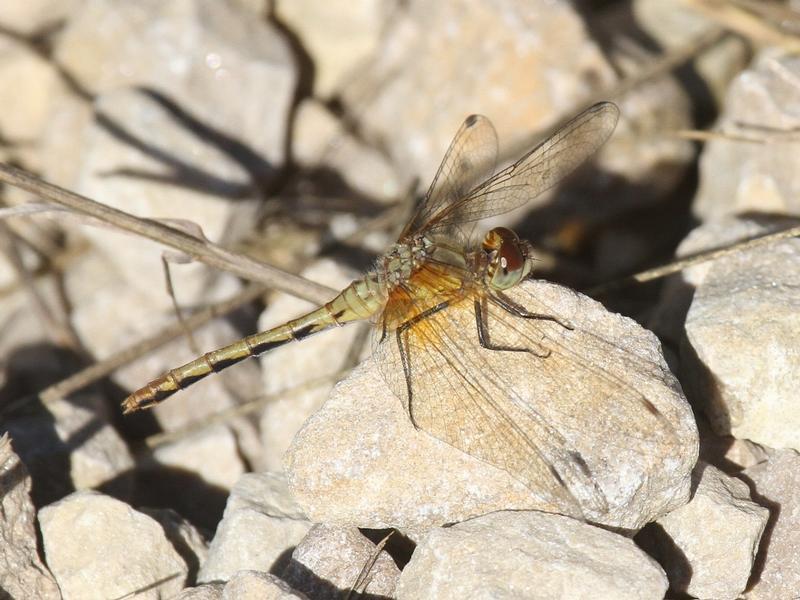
(509, 260)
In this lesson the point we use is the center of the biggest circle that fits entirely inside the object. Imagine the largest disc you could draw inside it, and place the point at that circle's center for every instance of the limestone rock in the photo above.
(359, 460)
(742, 338)
(22, 573)
(34, 16)
(529, 555)
(260, 525)
(69, 444)
(339, 35)
(329, 560)
(99, 547)
(525, 65)
(755, 177)
(183, 536)
(775, 483)
(255, 585)
(29, 89)
(716, 564)
(207, 591)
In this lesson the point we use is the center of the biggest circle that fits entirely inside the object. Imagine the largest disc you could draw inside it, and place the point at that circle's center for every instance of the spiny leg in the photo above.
(483, 335)
(404, 358)
(510, 306)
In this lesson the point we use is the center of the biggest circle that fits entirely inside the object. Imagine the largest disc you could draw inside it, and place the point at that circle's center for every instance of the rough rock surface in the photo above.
(99, 547)
(33, 16)
(743, 335)
(29, 90)
(761, 177)
(525, 65)
(260, 526)
(69, 444)
(716, 564)
(207, 591)
(339, 35)
(529, 555)
(22, 573)
(775, 483)
(359, 460)
(256, 585)
(183, 536)
(329, 560)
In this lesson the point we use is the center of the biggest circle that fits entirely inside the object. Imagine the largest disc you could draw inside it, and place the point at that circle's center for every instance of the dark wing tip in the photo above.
(471, 120)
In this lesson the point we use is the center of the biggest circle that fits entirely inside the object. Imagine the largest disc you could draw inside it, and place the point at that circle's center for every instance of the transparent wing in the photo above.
(538, 170)
(557, 428)
(470, 159)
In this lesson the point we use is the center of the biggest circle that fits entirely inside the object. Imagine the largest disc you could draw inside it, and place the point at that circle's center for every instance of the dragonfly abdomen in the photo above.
(360, 300)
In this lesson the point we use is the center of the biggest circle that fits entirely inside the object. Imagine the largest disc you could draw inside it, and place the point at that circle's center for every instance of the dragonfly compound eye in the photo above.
(509, 264)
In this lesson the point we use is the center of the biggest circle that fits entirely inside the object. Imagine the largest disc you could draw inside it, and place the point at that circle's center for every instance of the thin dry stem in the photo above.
(690, 261)
(202, 250)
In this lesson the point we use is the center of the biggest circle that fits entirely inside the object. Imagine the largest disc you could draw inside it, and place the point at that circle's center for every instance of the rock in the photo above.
(296, 365)
(716, 564)
(183, 536)
(775, 484)
(669, 316)
(319, 140)
(359, 460)
(528, 554)
(29, 89)
(255, 585)
(674, 25)
(232, 72)
(130, 175)
(99, 547)
(22, 573)
(211, 453)
(339, 36)
(260, 527)
(69, 444)
(742, 335)
(34, 16)
(540, 67)
(207, 591)
(330, 559)
(740, 177)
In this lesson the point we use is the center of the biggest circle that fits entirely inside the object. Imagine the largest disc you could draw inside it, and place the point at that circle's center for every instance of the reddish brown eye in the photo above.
(508, 264)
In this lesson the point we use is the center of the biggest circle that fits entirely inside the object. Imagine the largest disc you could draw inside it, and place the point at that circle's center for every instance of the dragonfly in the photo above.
(418, 292)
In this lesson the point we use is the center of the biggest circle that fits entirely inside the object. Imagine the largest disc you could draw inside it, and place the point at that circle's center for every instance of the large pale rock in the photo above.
(29, 89)
(69, 444)
(775, 484)
(255, 585)
(674, 24)
(34, 16)
(360, 461)
(232, 71)
(260, 525)
(128, 175)
(737, 177)
(22, 573)
(525, 65)
(211, 453)
(529, 555)
(297, 365)
(207, 591)
(99, 547)
(339, 35)
(320, 141)
(330, 559)
(742, 340)
(716, 564)
(183, 536)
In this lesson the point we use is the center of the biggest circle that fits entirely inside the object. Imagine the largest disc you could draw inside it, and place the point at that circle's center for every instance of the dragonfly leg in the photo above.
(483, 336)
(510, 306)
(405, 359)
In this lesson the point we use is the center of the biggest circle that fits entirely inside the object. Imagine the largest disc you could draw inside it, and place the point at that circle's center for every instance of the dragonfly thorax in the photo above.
(403, 258)
(509, 260)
